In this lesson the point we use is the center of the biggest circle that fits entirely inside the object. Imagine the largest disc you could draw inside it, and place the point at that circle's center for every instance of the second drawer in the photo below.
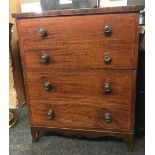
(81, 55)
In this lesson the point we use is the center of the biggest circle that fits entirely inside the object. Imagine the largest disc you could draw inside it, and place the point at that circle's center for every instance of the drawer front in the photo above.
(77, 28)
(81, 87)
(81, 55)
(81, 117)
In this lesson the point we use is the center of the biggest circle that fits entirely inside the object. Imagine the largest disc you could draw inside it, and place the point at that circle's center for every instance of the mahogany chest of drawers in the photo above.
(79, 70)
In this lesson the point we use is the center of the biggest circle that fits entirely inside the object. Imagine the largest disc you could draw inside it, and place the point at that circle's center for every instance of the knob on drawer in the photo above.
(41, 32)
(107, 29)
(107, 58)
(50, 114)
(44, 58)
(47, 86)
(107, 87)
(107, 118)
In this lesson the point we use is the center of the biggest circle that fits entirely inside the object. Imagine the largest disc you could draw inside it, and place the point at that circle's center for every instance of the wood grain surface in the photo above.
(81, 55)
(85, 87)
(77, 28)
(82, 117)
(76, 70)
(68, 49)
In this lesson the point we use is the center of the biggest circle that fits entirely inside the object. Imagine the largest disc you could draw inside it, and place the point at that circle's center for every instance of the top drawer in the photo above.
(77, 28)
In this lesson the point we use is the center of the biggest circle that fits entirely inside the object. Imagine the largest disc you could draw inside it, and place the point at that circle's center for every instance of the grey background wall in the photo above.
(135, 2)
(55, 4)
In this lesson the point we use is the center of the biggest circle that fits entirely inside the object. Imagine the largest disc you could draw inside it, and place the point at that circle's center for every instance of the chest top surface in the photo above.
(75, 12)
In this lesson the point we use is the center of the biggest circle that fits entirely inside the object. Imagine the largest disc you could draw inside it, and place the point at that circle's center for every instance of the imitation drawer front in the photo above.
(91, 27)
(81, 55)
(81, 117)
(82, 87)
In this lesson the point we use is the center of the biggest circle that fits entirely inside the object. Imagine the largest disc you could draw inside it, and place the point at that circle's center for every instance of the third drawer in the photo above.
(82, 87)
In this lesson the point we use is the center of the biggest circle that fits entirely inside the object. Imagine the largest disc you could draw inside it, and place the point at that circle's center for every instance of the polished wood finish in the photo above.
(80, 71)
(73, 12)
(69, 52)
(71, 87)
(71, 56)
(90, 28)
(82, 116)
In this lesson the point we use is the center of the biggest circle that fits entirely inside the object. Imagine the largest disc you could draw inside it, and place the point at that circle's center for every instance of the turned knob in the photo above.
(41, 32)
(50, 114)
(107, 118)
(107, 29)
(107, 88)
(47, 86)
(107, 58)
(44, 58)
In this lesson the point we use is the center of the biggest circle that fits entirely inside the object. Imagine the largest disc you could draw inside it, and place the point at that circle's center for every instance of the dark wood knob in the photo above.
(107, 118)
(50, 114)
(107, 88)
(107, 29)
(41, 32)
(107, 58)
(44, 58)
(47, 86)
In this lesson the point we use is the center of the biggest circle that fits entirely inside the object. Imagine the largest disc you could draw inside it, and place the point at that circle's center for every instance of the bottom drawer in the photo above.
(81, 117)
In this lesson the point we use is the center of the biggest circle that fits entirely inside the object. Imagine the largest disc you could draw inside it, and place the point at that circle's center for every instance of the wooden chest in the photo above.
(80, 70)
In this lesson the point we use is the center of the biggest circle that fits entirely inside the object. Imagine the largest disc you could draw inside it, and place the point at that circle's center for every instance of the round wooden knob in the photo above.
(44, 58)
(107, 88)
(107, 29)
(107, 118)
